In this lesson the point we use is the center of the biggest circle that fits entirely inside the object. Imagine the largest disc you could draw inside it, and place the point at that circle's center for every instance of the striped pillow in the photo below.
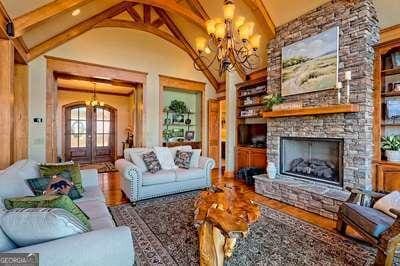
(31, 226)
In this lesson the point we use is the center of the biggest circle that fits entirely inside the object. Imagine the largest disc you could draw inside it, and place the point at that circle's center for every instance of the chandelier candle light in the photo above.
(232, 40)
(94, 102)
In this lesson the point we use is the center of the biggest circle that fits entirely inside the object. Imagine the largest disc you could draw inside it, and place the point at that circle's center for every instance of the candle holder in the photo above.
(347, 76)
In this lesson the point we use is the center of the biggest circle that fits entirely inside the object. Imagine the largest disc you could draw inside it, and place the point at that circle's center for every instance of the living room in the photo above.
(199, 132)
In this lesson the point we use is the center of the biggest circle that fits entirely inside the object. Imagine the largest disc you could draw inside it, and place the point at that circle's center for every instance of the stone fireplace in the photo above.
(315, 159)
(339, 146)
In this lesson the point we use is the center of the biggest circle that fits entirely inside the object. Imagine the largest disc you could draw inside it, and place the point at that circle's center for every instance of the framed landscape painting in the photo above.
(311, 64)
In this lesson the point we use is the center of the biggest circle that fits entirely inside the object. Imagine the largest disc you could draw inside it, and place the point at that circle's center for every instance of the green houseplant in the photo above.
(178, 107)
(271, 100)
(391, 146)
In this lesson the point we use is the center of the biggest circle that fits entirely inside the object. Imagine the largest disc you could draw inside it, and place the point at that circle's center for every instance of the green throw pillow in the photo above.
(39, 185)
(56, 169)
(50, 201)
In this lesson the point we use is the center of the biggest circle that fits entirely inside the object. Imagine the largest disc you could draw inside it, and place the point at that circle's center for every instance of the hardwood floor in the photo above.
(110, 185)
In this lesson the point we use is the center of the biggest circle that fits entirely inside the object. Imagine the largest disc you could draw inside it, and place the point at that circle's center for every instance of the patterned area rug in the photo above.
(106, 167)
(164, 235)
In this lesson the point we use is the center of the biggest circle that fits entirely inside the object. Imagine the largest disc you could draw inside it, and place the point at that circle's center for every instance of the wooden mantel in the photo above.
(318, 110)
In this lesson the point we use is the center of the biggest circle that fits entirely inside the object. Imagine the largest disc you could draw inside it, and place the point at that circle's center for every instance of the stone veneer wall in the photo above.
(358, 27)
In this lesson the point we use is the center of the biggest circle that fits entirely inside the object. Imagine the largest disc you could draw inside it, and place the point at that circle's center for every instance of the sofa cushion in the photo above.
(152, 162)
(51, 201)
(32, 226)
(194, 161)
(94, 209)
(92, 193)
(56, 169)
(187, 174)
(371, 220)
(165, 157)
(5, 242)
(390, 201)
(12, 183)
(102, 223)
(136, 157)
(161, 177)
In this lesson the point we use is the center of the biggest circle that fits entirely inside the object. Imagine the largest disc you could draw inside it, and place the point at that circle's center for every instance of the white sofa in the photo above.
(105, 245)
(138, 184)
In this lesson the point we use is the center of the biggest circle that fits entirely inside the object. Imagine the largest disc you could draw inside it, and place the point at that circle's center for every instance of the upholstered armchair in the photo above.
(378, 228)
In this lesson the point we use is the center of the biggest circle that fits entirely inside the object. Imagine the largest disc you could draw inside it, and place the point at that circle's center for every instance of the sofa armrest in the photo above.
(206, 162)
(90, 178)
(127, 169)
(101, 248)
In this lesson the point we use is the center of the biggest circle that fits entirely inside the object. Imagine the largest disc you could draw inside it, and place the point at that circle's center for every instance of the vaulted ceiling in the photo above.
(42, 25)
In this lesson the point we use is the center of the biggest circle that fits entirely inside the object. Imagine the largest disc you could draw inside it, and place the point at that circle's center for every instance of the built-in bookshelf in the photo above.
(250, 94)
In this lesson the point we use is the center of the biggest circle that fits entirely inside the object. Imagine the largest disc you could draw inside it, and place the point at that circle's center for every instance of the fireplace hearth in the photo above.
(316, 159)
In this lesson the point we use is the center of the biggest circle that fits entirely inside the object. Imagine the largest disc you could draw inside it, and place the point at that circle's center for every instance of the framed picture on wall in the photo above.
(311, 64)
(189, 135)
(178, 118)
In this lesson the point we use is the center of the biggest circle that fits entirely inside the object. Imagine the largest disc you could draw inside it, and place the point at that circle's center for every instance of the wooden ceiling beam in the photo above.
(25, 22)
(134, 14)
(147, 14)
(157, 23)
(77, 30)
(4, 19)
(174, 7)
(192, 53)
(262, 15)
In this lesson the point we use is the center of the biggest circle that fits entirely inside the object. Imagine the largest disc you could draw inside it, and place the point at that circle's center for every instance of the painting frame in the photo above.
(331, 80)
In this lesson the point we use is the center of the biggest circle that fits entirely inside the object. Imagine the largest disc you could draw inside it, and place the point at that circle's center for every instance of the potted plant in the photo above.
(391, 145)
(178, 107)
(271, 100)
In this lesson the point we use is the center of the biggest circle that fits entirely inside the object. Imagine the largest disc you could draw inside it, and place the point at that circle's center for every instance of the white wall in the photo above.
(125, 48)
(121, 103)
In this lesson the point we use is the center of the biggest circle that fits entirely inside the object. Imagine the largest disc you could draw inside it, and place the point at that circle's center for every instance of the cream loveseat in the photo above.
(138, 184)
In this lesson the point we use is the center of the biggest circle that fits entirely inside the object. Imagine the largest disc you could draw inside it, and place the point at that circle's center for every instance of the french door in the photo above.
(89, 133)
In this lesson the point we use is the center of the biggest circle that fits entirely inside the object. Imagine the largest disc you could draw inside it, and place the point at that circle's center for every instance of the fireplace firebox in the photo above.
(316, 159)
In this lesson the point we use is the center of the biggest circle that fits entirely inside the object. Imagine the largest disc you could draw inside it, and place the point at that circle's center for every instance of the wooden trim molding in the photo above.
(390, 33)
(76, 68)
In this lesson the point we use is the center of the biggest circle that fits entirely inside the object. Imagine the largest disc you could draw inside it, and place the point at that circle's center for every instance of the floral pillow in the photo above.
(182, 159)
(151, 161)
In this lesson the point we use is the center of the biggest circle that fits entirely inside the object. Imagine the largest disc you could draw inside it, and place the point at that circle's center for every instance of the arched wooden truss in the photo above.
(144, 22)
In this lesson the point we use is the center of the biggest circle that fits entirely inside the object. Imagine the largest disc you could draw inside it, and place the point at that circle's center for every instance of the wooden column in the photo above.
(6, 100)
(21, 101)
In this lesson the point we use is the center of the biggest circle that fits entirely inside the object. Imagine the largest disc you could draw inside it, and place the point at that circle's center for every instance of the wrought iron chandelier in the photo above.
(93, 101)
(231, 40)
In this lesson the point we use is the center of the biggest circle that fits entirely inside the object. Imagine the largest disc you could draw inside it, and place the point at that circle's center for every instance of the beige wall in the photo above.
(121, 103)
(123, 48)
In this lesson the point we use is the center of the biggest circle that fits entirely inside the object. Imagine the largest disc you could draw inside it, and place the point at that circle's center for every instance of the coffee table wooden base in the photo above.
(222, 215)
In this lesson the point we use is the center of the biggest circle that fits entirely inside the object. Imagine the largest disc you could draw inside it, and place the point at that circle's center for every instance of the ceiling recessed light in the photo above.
(76, 12)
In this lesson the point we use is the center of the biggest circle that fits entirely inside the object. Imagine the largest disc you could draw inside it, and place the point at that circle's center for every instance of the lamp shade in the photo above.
(210, 25)
(220, 30)
(229, 11)
(239, 21)
(250, 25)
(255, 41)
(201, 44)
(244, 32)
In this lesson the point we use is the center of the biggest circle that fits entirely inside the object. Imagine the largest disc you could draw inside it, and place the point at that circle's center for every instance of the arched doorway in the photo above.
(89, 135)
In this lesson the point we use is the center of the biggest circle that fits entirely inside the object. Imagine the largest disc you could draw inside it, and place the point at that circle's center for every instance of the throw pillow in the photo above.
(137, 160)
(151, 161)
(182, 159)
(165, 157)
(194, 161)
(390, 201)
(41, 184)
(12, 184)
(27, 227)
(51, 201)
(173, 150)
(55, 169)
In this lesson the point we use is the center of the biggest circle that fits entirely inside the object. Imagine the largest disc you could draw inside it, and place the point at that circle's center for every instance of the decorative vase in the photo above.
(271, 170)
(393, 156)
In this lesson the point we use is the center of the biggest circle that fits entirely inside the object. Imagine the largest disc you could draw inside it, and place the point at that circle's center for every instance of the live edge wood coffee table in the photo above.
(222, 214)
